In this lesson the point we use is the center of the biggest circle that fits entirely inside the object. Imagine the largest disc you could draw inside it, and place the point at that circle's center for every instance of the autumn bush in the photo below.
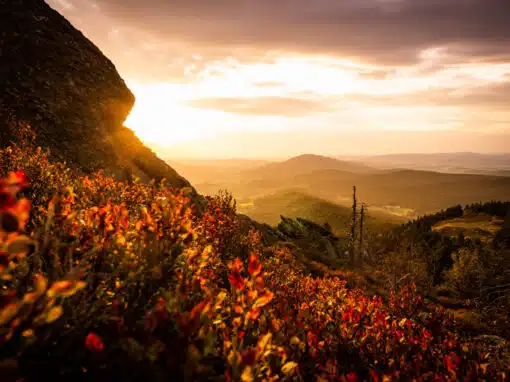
(106, 280)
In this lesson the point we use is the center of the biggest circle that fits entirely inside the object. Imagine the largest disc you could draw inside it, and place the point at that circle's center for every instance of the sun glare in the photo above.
(230, 95)
(160, 117)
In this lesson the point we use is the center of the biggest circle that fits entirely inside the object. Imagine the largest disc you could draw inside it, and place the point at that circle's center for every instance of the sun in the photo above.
(160, 116)
(164, 116)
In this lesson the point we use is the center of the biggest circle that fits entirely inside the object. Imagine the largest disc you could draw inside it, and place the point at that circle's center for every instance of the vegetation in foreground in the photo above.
(115, 281)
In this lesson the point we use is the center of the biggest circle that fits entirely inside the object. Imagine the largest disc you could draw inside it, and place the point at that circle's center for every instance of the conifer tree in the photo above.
(506, 223)
(361, 222)
(353, 225)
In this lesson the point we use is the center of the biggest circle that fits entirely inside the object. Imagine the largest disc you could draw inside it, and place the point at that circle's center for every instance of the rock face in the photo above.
(55, 79)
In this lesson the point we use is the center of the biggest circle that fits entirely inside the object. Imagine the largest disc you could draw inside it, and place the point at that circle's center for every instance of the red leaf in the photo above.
(254, 266)
(94, 342)
(236, 281)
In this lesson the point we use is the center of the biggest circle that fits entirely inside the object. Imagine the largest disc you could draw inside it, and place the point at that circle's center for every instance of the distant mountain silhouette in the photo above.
(463, 162)
(332, 179)
(303, 164)
(55, 79)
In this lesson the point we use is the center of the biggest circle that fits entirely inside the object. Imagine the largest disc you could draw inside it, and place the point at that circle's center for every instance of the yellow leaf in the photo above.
(264, 341)
(8, 313)
(263, 300)
(289, 367)
(221, 297)
(58, 287)
(30, 298)
(247, 375)
(40, 284)
(54, 314)
(28, 333)
(65, 288)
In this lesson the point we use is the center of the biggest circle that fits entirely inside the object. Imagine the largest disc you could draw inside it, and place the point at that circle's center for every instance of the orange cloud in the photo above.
(275, 106)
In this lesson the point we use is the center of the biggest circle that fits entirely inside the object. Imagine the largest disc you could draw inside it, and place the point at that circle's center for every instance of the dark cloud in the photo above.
(384, 31)
(262, 106)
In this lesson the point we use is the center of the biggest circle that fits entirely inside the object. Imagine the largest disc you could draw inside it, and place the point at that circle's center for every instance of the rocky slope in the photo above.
(55, 79)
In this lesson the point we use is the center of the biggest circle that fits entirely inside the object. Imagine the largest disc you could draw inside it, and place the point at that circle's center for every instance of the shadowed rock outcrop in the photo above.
(55, 79)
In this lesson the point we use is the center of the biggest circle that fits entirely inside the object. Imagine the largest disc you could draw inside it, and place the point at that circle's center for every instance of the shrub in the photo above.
(109, 280)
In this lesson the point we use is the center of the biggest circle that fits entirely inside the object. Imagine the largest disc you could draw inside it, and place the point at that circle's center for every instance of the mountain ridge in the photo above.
(61, 84)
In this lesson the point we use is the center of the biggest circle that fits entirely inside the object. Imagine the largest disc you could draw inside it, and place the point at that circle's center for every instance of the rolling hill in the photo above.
(422, 191)
(306, 163)
(295, 203)
(399, 191)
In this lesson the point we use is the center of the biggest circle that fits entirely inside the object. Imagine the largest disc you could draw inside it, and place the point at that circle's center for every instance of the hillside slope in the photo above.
(55, 79)
(297, 204)
(422, 191)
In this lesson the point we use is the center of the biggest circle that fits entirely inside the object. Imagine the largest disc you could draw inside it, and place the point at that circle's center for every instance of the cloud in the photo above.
(350, 65)
(377, 31)
(386, 33)
(262, 106)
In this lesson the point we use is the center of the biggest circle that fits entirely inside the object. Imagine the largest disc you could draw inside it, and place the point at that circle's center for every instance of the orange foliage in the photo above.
(133, 269)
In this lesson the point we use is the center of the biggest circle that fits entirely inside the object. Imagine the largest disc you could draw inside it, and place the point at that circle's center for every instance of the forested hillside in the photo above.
(459, 257)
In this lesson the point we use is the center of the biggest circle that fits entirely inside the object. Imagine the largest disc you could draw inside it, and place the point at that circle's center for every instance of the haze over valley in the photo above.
(398, 187)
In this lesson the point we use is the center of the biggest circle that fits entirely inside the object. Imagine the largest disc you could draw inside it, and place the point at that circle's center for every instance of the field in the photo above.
(476, 226)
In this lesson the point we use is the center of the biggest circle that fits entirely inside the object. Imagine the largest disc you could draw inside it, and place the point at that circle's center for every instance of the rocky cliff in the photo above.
(55, 79)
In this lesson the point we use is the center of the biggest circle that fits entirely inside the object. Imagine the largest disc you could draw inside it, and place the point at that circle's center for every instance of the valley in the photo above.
(393, 195)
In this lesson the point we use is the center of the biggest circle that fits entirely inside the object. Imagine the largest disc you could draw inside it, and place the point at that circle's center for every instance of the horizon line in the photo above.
(333, 156)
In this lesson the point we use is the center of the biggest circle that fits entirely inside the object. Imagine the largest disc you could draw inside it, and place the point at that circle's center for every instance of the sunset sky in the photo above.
(275, 78)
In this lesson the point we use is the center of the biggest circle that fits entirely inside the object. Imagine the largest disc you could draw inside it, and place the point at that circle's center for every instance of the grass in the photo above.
(475, 226)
